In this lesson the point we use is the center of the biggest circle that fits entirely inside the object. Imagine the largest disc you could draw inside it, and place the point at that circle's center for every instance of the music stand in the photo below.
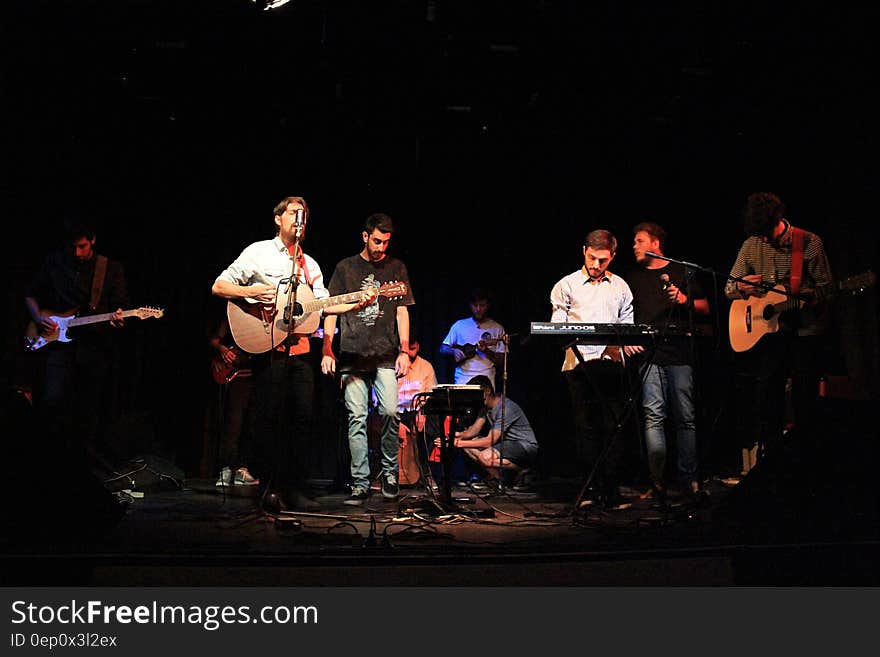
(454, 401)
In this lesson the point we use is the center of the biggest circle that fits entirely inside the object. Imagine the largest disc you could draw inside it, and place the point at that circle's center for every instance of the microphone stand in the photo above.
(690, 265)
(506, 342)
(293, 283)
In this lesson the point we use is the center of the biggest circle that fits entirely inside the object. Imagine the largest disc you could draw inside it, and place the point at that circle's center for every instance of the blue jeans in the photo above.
(356, 391)
(670, 387)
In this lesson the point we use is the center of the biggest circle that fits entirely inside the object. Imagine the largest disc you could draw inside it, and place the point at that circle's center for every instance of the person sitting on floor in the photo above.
(510, 444)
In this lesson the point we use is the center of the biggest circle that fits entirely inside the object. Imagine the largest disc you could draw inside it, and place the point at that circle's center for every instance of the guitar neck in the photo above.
(792, 303)
(319, 304)
(822, 294)
(489, 342)
(94, 319)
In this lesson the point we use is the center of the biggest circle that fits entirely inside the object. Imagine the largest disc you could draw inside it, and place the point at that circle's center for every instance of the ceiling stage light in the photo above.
(270, 4)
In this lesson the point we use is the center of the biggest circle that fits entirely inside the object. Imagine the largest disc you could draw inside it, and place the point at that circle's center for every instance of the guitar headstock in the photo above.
(393, 289)
(145, 312)
(858, 283)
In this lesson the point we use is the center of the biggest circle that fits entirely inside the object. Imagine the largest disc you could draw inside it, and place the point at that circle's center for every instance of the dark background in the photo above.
(496, 134)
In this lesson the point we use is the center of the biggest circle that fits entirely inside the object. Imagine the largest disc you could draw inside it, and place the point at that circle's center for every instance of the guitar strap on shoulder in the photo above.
(305, 270)
(98, 280)
(797, 259)
(301, 264)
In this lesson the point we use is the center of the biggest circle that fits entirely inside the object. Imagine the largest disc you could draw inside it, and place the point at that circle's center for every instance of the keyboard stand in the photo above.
(618, 423)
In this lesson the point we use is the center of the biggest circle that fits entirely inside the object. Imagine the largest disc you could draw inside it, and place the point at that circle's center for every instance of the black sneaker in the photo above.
(525, 481)
(358, 496)
(659, 491)
(390, 488)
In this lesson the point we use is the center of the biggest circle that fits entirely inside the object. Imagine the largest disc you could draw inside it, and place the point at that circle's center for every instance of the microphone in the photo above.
(650, 254)
(664, 282)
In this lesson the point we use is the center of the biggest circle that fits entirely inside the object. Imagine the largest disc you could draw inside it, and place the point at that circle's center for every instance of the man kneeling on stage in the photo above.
(510, 443)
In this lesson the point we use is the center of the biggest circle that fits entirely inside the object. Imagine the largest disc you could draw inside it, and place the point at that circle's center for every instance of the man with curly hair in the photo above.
(777, 253)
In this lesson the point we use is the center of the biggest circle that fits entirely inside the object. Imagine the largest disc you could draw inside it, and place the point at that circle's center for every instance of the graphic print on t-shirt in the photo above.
(369, 315)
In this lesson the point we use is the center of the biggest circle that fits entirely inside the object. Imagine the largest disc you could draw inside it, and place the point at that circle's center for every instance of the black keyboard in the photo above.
(595, 333)
(581, 328)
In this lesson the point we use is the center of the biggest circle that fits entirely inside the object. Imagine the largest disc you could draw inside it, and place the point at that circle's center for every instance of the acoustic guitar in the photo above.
(753, 318)
(259, 327)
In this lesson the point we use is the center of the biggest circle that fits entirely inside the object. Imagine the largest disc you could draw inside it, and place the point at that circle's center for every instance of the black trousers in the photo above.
(234, 447)
(599, 390)
(284, 407)
(767, 367)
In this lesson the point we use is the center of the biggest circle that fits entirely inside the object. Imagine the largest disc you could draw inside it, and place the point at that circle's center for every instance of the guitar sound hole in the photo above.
(297, 312)
(769, 312)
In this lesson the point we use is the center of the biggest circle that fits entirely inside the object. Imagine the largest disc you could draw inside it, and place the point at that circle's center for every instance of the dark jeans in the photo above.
(669, 390)
(283, 406)
(74, 404)
(599, 390)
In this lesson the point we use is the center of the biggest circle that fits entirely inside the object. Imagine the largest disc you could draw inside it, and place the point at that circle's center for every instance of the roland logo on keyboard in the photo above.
(583, 327)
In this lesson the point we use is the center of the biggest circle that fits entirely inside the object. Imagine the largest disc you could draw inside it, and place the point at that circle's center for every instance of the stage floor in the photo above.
(767, 529)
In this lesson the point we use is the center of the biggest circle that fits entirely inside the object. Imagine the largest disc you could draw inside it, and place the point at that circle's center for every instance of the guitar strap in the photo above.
(797, 259)
(301, 264)
(296, 345)
(98, 281)
(301, 259)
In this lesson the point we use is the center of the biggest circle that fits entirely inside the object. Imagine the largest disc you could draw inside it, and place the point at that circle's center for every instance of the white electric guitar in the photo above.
(34, 339)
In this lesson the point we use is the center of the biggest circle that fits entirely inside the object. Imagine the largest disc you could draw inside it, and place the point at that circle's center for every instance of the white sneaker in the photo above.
(225, 478)
(243, 477)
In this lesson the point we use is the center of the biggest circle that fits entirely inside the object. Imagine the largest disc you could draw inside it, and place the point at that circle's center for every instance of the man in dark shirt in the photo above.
(663, 296)
(373, 347)
(72, 403)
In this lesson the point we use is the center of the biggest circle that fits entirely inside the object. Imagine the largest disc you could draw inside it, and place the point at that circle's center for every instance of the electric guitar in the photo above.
(259, 327)
(223, 372)
(751, 319)
(34, 339)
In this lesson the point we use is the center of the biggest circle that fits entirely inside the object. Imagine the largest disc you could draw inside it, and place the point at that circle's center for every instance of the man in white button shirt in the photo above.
(593, 294)
(284, 377)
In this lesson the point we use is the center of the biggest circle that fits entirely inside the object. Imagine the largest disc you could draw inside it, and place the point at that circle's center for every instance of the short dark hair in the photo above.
(484, 383)
(479, 294)
(76, 227)
(654, 230)
(761, 213)
(601, 239)
(380, 221)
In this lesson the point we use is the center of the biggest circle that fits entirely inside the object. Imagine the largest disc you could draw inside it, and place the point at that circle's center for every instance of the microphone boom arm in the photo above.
(731, 277)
